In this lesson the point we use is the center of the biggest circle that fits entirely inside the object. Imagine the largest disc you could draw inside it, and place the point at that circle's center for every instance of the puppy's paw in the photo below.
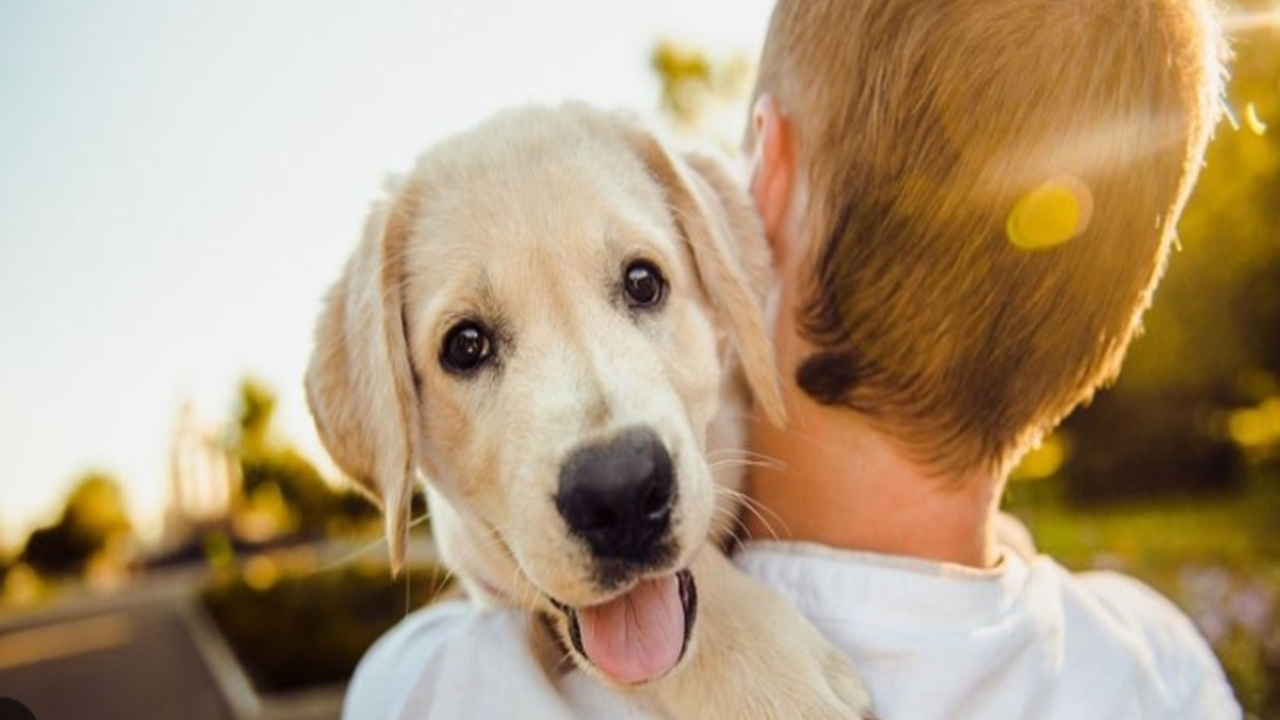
(756, 656)
(852, 697)
(818, 681)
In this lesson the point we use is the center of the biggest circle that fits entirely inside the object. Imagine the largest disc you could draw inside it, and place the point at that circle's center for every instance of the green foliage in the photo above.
(94, 515)
(312, 628)
(254, 412)
(298, 482)
(58, 550)
(1216, 316)
(270, 467)
(1149, 444)
(696, 86)
(1217, 557)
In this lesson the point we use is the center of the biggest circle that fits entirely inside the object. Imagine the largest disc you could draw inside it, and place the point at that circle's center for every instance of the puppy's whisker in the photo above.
(744, 458)
(728, 514)
(734, 527)
(525, 594)
(745, 463)
(737, 538)
(471, 555)
(359, 551)
(408, 593)
(736, 452)
(758, 510)
(423, 518)
(366, 548)
(445, 580)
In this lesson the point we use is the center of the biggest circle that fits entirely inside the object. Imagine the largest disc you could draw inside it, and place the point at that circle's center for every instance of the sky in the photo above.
(180, 181)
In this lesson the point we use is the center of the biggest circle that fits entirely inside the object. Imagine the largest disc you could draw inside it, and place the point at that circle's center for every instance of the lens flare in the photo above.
(1252, 120)
(1244, 20)
(1050, 214)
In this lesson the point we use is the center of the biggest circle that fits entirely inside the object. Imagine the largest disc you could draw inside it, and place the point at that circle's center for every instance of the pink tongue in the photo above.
(638, 636)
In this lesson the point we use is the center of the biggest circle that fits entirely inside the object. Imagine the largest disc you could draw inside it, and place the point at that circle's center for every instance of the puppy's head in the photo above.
(539, 319)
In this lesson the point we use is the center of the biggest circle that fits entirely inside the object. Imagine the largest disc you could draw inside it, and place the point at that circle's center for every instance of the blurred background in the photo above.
(180, 182)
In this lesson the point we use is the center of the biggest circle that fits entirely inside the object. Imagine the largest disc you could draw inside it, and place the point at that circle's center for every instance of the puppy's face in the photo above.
(565, 358)
(539, 319)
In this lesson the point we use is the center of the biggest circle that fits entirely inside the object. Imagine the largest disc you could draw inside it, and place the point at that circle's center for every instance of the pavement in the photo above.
(126, 664)
(121, 657)
(146, 653)
(150, 652)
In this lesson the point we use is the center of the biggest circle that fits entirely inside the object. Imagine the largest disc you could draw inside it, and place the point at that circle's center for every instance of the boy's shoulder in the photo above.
(1121, 637)
(1156, 635)
(1030, 638)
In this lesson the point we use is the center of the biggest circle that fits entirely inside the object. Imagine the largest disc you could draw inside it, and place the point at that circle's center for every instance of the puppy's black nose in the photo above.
(617, 496)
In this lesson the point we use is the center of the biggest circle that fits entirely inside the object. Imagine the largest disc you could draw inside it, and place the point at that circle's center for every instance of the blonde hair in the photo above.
(930, 133)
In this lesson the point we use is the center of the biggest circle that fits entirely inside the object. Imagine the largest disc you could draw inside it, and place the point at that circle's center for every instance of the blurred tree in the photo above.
(273, 472)
(1211, 346)
(6, 560)
(254, 412)
(1216, 314)
(300, 485)
(700, 94)
(93, 520)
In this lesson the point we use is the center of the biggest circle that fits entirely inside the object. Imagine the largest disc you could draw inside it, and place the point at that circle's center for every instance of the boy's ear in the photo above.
(730, 253)
(773, 167)
(359, 383)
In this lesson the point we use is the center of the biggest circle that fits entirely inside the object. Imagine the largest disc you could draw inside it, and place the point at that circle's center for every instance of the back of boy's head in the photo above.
(993, 189)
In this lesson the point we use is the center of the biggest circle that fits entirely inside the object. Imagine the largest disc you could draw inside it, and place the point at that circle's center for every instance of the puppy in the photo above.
(559, 324)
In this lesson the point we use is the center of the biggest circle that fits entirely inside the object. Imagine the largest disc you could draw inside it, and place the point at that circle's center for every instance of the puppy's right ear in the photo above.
(360, 383)
(730, 251)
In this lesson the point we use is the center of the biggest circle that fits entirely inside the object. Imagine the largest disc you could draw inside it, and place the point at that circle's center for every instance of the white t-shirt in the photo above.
(1028, 640)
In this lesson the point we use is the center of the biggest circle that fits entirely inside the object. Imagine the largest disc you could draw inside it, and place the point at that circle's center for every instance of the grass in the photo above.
(1217, 557)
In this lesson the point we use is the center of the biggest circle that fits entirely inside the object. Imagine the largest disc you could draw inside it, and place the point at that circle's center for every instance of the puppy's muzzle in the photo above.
(618, 497)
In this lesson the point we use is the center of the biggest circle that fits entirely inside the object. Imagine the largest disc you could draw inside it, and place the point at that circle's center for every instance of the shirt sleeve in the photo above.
(453, 660)
(1184, 672)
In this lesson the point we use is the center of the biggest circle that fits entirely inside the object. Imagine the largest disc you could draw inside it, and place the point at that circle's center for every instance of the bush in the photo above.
(1134, 445)
(302, 630)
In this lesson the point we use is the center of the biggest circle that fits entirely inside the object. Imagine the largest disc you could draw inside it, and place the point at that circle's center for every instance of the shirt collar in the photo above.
(830, 584)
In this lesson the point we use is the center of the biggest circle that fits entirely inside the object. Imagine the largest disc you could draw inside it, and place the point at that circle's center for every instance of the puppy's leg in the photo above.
(755, 656)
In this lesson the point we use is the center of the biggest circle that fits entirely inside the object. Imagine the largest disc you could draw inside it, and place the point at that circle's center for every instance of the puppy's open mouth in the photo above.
(639, 635)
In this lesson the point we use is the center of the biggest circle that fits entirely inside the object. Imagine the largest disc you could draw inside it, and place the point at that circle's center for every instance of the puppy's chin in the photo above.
(639, 635)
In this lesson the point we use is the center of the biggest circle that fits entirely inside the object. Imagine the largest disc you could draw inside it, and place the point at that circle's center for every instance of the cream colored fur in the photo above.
(526, 221)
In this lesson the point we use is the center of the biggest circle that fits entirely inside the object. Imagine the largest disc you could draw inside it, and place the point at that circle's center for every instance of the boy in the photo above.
(969, 203)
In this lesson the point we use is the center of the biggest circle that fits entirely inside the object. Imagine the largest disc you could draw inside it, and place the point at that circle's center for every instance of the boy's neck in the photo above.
(833, 479)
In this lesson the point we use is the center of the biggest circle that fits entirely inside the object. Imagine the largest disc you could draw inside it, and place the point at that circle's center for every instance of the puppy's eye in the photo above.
(466, 347)
(644, 284)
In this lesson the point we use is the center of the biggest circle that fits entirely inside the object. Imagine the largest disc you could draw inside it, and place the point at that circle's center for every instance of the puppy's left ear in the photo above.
(729, 248)
(360, 384)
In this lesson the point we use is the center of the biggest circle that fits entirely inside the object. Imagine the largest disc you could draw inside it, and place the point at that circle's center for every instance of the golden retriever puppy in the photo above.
(556, 321)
